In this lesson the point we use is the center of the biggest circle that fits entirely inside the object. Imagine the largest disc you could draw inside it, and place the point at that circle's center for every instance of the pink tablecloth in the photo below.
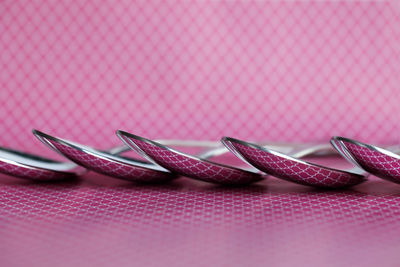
(100, 221)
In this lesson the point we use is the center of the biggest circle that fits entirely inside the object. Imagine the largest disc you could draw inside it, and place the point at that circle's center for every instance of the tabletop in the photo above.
(101, 221)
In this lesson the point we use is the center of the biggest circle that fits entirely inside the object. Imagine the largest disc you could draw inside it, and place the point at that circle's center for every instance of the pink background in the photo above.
(260, 70)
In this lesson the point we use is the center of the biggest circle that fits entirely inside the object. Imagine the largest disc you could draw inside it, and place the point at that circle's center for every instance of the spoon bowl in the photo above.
(375, 160)
(35, 168)
(291, 168)
(188, 165)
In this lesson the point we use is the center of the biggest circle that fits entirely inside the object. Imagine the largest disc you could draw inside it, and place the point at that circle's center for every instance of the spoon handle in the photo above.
(295, 150)
(214, 148)
(183, 143)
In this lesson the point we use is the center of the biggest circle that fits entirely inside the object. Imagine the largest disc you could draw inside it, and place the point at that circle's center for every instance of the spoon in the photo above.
(35, 168)
(375, 160)
(187, 165)
(291, 168)
(105, 162)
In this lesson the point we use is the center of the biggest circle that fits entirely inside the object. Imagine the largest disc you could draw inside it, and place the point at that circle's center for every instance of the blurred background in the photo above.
(291, 71)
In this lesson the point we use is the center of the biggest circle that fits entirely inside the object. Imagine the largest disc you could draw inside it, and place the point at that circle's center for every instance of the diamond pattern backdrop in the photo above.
(277, 71)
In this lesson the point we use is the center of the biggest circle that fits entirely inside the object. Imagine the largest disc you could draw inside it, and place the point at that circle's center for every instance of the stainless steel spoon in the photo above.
(292, 168)
(383, 163)
(35, 168)
(188, 165)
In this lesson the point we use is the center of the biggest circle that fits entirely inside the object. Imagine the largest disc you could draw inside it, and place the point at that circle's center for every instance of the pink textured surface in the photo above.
(257, 70)
(108, 222)
(106, 165)
(191, 166)
(292, 170)
(380, 164)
